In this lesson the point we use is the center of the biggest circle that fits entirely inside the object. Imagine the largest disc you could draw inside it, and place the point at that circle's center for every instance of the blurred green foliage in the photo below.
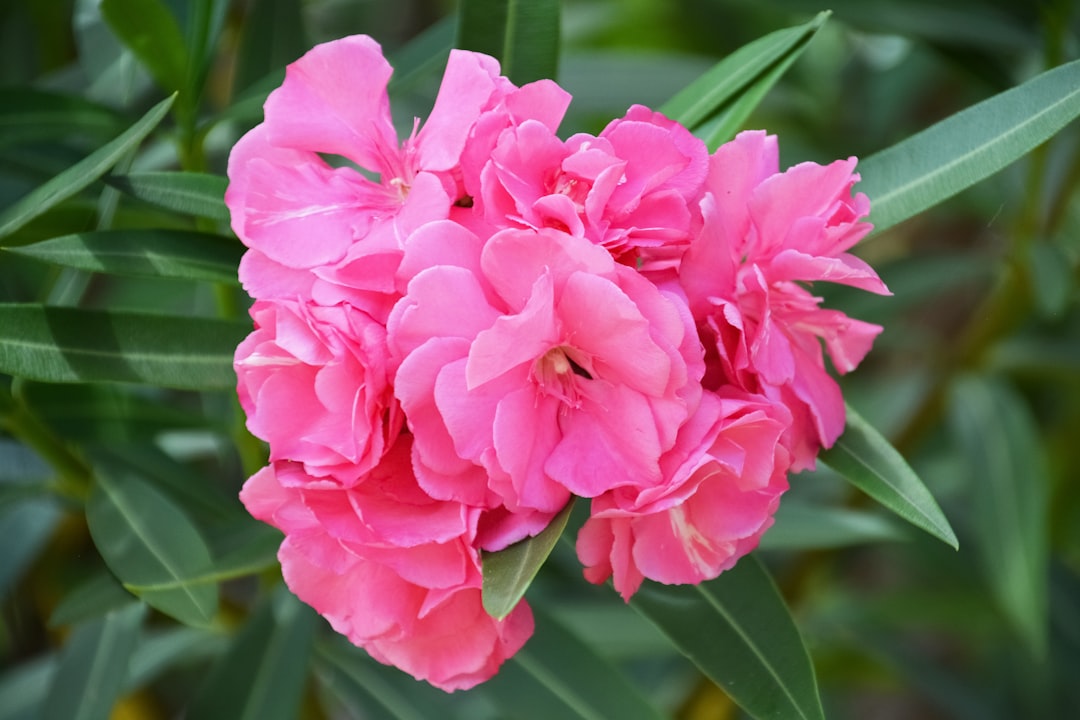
(976, 378)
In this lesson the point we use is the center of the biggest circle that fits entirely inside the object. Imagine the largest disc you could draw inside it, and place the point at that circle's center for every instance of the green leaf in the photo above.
(260, 677)
(147, 540)
(57, 344)
(108, 414)
(23, 687)
(81, 174)
(481, 26)
(28, 114)
(426, 53)
(154, 252)
(522, 34)
(726, 123)
(149, 30)
(739, 632)
(91, 599)
(273, 36)
(1009, 490)
(189, 193)
(557, 675)
(205, 21)
(509, 572)
(26, 527)
(802, 526)
(93, 666)
(967, 147)
(373, 690)
(867, 460)
(752, 68)
(532, 40)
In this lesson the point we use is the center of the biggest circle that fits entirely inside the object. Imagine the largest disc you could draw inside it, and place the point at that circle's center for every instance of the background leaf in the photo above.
(188, 193)
(153, 253)
(81, 174)
(146, 540)
(522, 34)
(257, 678)
(93, 667)
(69, 345)
(149, 29)
(558, 675)
(1010, 495)
(739, 632)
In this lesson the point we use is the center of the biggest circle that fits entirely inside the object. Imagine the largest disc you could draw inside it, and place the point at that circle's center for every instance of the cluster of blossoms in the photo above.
(458, 332)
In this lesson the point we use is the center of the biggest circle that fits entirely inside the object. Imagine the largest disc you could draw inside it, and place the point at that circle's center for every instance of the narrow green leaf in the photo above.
(147, 540)
(205, 21)
(425, 53)
(28, 114)
(1009, 490)
(935, 164)
(71, 345)
(108, 414)
(273, 36)
(260, 676)
(739, 632)
(373, 690)
(741, 70)
(557, 675)
(481, 26)
(509, 572)
(154, 252)
(149, 30)
(23, 687)
(522, 34)
(802, 526)
(190, 193)
(93, 666)
(532, 40)
(257, 554)
(726, 123)
(867, 460)
(91, 599)
(81, 174)
(26, 527)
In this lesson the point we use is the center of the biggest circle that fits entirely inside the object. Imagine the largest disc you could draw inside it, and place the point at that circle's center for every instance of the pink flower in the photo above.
(554, 370)
(631, 190)
(300, 212)
(390, 568)
(314, 383)
(723, 482)
(765, 235)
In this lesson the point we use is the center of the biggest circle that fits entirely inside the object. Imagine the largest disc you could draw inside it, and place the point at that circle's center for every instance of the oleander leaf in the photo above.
(867, 460)
(69, 182)
(509, 572)
(58, 344)
(751, 69)
(739, 632)
(147, 541)
(935, 164)
(189, 193)
(153, 252)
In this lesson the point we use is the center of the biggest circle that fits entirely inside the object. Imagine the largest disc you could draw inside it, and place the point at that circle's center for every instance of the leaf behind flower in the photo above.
(509, 572)
(739, 632)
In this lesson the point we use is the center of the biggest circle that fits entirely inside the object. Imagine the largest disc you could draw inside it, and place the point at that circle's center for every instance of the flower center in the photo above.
(557, 373)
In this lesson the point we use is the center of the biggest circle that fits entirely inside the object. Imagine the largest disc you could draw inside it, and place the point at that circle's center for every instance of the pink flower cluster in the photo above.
(458, 331)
